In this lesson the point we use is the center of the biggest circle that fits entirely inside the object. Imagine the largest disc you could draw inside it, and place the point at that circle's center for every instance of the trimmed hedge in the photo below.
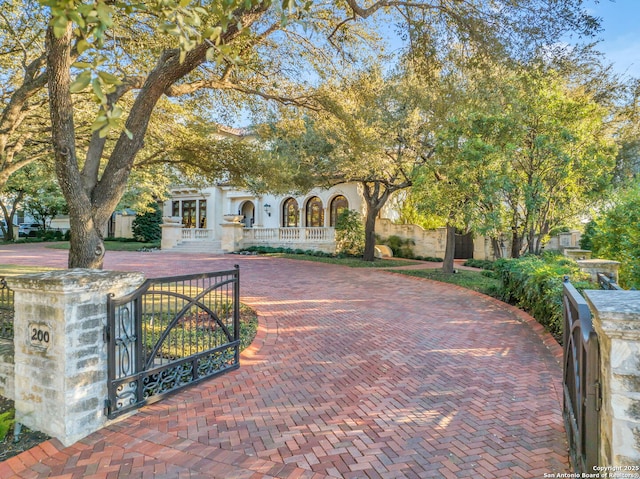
(534, 284)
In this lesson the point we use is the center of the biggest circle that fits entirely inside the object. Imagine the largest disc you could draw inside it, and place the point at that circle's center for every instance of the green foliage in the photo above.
(586, 240)
(431, 259)
(52, 235)
(472, 280)
(6, 422)
(350, 233)
(401, 247)
(534, 283)
(615, 236)
(480, 263)
(319, 256)
(146, 226)
(43, 199)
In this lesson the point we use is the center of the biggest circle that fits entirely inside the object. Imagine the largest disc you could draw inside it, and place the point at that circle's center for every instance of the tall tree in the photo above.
(561, 154)
(371, 130)
(24, 130)
(523, 150)
(150, 49)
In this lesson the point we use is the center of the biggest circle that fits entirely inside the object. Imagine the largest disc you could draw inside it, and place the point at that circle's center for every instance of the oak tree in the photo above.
(143, 51)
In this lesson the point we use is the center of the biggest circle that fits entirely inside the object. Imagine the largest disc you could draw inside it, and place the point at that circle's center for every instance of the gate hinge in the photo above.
(106, 336)
(598, 392)
(107, 406)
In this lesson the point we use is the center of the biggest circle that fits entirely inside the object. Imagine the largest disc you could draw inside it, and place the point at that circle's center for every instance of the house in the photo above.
(224, 219)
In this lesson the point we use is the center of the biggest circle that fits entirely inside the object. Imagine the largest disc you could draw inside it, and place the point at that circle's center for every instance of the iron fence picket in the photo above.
(581, 381)
(169, 333)
(7, 310)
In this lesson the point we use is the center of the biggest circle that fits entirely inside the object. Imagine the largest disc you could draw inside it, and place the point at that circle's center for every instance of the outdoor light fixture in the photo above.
(267, 209)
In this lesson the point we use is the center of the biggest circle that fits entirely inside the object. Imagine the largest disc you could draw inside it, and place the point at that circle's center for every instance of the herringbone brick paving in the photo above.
(355, 373)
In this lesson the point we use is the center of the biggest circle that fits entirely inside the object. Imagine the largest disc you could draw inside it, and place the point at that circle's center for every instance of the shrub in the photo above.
(350, 233)
(534, 283)
(431, 259)
(146, 226)
(402, 248)
(6, 421)
(615, 236)
(480, 263)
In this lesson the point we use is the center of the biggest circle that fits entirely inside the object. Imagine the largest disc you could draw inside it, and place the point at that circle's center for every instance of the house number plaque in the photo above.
(39, 335)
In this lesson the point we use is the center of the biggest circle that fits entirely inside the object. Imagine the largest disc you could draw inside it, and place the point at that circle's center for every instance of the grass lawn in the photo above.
(111, 245)
(352, 262)
(473, 280)
(15, 270)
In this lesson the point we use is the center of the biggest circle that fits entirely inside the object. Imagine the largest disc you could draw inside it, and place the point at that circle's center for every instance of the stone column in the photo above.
(60, 351)
(231, 237)
(171, 232)
(616, 320)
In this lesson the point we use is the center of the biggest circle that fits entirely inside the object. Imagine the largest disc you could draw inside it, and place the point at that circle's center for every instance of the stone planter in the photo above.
(231, 218)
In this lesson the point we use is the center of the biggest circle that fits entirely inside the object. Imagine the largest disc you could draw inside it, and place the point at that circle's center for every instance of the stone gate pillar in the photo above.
(60, 351)
(616, 320)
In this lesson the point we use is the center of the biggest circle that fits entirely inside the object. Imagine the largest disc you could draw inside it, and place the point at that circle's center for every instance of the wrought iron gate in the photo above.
(170, 333)
(7, 310)
(582, 395)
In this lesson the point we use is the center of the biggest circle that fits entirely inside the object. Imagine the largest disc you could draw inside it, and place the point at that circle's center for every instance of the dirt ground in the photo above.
(27, 439)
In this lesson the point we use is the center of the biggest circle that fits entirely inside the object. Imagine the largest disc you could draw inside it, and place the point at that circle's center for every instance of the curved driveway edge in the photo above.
(355, 373)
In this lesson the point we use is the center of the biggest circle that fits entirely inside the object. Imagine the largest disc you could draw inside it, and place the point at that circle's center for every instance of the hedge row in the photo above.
(534, 284)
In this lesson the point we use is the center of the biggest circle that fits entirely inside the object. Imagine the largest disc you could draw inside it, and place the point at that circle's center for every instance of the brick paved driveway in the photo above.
(355, 373)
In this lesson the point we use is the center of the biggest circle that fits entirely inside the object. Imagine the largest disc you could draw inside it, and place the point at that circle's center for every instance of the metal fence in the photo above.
(608, 282)
(169, 333)
(6, 310)
(581, 381)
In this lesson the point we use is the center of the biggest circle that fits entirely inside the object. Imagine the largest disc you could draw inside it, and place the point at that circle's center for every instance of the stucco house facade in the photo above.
(224, 219)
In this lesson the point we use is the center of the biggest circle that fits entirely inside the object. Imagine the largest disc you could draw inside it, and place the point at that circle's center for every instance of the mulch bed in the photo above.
(27, 439)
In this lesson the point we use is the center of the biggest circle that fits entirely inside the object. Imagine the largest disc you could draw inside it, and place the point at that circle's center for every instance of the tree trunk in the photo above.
(87, 249)
(375, 196)
(87, 246)
(449, 251)
(497, 248)
(370, 234)
(10, 214)
(92, 200)
(516, 244)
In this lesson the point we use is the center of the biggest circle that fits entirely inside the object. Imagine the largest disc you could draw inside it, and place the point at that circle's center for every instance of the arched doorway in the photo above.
(248, 212)
(314, 212)
(338, 205)
(290, 213)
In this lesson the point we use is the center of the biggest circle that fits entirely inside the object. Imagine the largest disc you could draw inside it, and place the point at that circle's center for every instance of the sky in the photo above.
(621, 33)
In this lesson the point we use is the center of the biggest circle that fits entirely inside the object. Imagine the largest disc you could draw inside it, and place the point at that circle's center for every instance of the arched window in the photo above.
(290, 213)
(338, 205)
(315, 212)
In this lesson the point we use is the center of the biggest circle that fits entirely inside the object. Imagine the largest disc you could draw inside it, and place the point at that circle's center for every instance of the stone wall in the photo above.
(427, 242)
(616, 320)
(60, 351)
(430, 242)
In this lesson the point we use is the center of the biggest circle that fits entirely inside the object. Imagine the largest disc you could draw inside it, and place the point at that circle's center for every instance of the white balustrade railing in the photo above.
(196, 234)
(288, 235)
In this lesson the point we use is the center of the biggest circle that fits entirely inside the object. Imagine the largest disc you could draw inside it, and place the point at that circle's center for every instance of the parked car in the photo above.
(29, 229)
